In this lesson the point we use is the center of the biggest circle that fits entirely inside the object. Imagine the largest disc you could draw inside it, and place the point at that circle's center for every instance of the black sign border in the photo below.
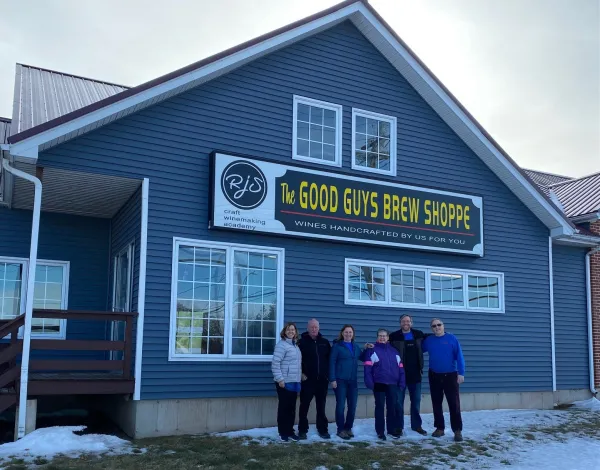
(337, 172)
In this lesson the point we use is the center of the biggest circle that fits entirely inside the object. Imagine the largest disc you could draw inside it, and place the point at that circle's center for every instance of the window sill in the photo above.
(373, 170)
(197, 358)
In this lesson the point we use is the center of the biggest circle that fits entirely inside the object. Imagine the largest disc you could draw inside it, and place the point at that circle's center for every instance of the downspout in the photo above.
(550, 263)
(588, 291)
(35, 230)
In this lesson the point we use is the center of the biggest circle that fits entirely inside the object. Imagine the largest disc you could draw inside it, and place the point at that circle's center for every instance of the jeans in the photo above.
(414, 391)
(387, 397)
(286, 411)
(318, 390)
(346, 391)
(440, 385)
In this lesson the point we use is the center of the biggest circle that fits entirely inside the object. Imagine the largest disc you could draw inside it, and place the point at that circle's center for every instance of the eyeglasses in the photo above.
(437, 325)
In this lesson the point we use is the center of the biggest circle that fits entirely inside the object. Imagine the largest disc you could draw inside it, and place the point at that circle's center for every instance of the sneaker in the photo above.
(343, 435)
(284, 439)
(349, 432)
(437, 433)
(302, 436)
(421, 431)
(381, 436)
(294, 438)
(395, 435)
(458, 436)
(324, 435)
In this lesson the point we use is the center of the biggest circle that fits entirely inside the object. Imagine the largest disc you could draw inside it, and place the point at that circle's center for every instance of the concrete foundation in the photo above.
(151, 418)
(30, 420)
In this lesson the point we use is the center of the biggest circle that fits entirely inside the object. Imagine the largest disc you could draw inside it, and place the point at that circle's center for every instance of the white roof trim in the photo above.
(384, 41)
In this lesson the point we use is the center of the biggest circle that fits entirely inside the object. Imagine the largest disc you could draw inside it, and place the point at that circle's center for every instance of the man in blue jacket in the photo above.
(384, 374)
(446, 373)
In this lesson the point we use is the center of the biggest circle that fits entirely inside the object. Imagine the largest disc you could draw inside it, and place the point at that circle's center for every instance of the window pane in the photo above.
(316, 115)
(360, 141)
(372, 160)
(48, 294)
(483, 292)
(372, 127)
(54, 274)
(447, 289)
(316, 150)
(410, 286)
(186, 254)
(303, 112)
(302, 130)
(366, 283)
(384, 129)
(12, 272)
(329, 135)
(361, 159)
(328, 153)
(361, 124)
(329, 118)
(316, 133)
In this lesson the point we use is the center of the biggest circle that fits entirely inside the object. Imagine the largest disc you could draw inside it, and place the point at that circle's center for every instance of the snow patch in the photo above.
(49, 442)
(591, 404)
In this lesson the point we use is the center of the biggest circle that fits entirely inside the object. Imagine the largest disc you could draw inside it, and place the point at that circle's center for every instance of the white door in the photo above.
(122, 280)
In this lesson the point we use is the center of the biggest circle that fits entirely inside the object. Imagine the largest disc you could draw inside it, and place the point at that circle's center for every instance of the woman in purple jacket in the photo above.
(384, 374)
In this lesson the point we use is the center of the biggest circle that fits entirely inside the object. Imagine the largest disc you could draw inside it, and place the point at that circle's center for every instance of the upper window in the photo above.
(227, 301)
(317, 131)
(394, 285)
(373, 142)
(50, 292)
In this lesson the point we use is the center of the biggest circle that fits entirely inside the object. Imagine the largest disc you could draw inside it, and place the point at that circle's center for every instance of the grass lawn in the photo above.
(213, 452)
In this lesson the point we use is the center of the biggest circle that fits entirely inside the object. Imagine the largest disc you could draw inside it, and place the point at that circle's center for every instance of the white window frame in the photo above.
(338, 131)
(229, 247)
(465, 273)
(66, 265)
(393, 141)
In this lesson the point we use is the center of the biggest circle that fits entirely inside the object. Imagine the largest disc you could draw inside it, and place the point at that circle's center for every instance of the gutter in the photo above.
(552, 337)
(588, 289)
(33, 249)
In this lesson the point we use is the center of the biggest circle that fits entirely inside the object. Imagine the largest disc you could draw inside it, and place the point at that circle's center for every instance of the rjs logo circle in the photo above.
(244, 184)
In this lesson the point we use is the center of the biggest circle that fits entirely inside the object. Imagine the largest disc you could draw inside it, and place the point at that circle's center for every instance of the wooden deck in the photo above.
(69, 376)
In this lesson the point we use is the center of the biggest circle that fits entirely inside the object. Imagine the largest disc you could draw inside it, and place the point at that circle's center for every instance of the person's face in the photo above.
(437, 327)
(347, 334)
(313, 328)
(406, 324)
(290, 332)
(382, 337)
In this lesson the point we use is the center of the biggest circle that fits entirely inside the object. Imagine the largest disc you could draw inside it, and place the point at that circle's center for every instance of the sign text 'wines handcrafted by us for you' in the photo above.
(278, 199)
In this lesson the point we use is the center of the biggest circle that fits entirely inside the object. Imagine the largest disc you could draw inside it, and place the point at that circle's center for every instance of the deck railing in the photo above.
(12, 347)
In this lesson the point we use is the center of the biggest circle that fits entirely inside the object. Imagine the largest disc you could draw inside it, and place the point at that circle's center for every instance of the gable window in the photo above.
(422, 287)
(373, 142)
(227, 301)
(50, 293)
(317, 131)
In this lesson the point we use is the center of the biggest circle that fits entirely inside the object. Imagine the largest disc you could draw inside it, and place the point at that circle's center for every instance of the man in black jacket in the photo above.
(409, 343)
(315, 378)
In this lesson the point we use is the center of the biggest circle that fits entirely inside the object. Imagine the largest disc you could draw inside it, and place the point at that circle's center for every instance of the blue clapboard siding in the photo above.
(570, 318)
(250, 111)
(83, 241)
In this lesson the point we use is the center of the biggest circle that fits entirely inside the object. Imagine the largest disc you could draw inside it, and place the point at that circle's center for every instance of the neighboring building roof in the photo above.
(580, 196)
(544, 179)
(4, 130)
(43, 95)
(28, 143)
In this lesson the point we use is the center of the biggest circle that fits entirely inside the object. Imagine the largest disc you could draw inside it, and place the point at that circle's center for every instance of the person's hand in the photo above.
(461, 379)
(334, 384)
(369, 345)
(304, 377)
(281, 384)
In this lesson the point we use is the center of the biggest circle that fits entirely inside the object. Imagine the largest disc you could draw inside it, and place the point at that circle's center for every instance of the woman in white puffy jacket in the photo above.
(287, 373)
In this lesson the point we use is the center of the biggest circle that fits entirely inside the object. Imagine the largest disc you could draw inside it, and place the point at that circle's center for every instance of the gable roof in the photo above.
(43, 95)
(544, 179)
(580, 196)
(26, 144)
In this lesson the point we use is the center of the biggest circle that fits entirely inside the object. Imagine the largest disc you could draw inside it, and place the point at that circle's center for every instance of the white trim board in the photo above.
(364, 18)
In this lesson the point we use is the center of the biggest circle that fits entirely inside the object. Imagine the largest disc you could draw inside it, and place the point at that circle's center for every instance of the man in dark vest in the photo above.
(409, 343)
(315, 378)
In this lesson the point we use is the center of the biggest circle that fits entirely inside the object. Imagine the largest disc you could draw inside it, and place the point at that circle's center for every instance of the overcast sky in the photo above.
(528, 70)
